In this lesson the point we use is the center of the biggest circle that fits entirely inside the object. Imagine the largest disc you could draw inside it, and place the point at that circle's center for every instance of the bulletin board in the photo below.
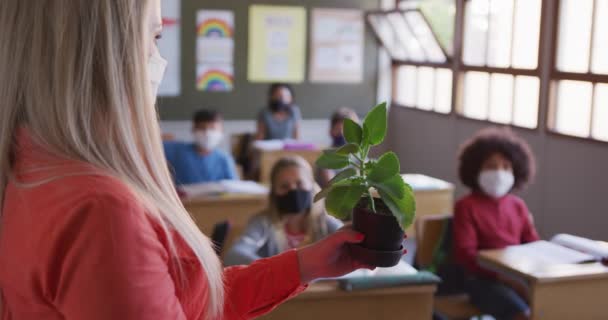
(245, 99)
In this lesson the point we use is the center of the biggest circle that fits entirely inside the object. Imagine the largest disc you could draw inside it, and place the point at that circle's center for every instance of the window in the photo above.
(580, 75)
(500, 61)
(422, 68)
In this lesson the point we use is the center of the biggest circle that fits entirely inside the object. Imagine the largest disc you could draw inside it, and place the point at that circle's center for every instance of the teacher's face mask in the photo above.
(156, 70)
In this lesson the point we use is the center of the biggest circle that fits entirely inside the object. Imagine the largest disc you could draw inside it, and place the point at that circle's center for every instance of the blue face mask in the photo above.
(338, 141)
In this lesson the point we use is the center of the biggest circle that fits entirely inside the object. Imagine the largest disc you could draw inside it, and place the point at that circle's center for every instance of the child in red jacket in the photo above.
(492, 164)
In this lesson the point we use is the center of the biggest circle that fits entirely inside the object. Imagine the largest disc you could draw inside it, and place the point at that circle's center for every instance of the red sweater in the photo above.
(481, 222)
(82, 247)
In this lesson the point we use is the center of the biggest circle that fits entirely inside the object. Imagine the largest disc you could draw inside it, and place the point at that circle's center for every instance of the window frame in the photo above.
(557, 75)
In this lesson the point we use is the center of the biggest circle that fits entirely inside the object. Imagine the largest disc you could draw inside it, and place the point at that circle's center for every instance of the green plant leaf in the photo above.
(386, 167)
(332, 160)
(374, 125)
(394, 186)
(348, 149)
(404, 209)
(353, 133)
(342, 175)
(342, 199)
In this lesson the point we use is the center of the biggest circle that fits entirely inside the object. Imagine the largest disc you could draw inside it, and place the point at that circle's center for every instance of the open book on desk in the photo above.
(563, 249)
(400, 275)
(222, 187)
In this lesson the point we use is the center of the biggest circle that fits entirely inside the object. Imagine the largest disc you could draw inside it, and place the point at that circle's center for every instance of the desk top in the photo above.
(325, 289)
(225, 197)
(420, 182)
(506, 260)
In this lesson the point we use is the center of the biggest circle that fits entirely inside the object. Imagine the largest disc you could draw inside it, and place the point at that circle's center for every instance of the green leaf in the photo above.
(404, 209)
(342, 199)
(374, 125)
(394, 186)
(331, 160)
(386, 167)
(322, 194)
(353, 133)
(345, 174)
(348, 149)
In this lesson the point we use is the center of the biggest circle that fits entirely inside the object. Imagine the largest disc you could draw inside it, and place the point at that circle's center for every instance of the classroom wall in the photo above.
(316, 100)
(570, 193)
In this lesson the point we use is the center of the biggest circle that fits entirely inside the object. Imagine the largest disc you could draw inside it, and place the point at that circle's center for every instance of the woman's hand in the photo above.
(330, 257)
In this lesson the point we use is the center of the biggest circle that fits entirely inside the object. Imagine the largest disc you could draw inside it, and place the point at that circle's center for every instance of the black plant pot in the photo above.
(382, 246)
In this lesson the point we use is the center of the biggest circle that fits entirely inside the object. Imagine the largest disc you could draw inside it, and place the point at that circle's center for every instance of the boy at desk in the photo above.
(492, 164)
(201, 161)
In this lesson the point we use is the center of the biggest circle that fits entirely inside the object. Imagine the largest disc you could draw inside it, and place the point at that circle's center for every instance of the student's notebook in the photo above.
(563, 249)
(400, 275)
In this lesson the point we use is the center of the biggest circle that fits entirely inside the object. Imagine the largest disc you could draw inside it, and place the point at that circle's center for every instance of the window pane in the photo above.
(387, 36)
(475, 29)
(405, 37)
(501, 98)
(526, 101)
(600, 38)
(574, 35)
(405, 90)
(526, 33)
(600, 113)
(426, 88)
(573, 108)
(425, 36)
(500, 26)
(441, 15)
(475, 104)
(443, 91)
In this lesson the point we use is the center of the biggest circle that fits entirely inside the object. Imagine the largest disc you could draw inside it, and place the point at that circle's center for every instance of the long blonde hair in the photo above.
(315, 219)
(74, 73)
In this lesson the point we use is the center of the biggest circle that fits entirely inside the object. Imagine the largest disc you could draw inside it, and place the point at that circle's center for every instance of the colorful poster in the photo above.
(169, 47)
(215, 50)
(337, 44)
(214, 77)
(277, 43)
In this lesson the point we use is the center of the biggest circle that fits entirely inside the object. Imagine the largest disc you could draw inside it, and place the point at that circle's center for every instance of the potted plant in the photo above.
(381, 203)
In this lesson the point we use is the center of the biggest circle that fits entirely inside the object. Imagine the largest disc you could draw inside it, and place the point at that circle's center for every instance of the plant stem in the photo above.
(372, 203)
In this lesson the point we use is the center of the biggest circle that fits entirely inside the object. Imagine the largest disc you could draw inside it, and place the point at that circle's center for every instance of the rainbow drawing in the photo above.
(215, 28)
(215, 80)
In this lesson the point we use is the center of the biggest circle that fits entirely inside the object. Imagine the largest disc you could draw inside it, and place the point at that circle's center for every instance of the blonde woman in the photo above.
(291, 219)
(91, 226)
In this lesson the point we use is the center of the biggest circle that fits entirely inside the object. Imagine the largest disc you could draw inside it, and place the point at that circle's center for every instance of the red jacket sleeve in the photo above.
(109, 264)
(465, 241)
(254, 290)
(529, 233)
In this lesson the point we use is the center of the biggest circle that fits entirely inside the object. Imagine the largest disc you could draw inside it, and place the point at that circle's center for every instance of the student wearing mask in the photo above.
(493, 164)
(291, 220)
(336, 125)
(281, 118)
(201, 161)
(91, 225)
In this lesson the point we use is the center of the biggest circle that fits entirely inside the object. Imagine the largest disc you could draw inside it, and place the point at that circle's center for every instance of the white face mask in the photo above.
(156, 71)
(208, 139)
(496, 183)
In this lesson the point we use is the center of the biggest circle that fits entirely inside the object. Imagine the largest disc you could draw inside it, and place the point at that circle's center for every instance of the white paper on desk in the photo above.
(402, 268)
(420, 182)
(598, 249)
(550, 253)
(224, 186)
(202, 189)
(269, 145)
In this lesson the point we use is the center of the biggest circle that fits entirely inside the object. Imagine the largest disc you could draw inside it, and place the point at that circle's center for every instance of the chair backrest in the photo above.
(219, 235)
(433, 229)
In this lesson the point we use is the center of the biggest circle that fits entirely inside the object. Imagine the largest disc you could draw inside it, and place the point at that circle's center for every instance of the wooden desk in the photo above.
(570, 291)
(265, 160)
(325, 301)
(433, 197)
(209, 210)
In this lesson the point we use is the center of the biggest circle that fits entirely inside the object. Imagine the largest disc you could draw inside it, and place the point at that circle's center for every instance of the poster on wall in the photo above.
(277, 43)
(337, 44)
(169, 47)
(215, 50)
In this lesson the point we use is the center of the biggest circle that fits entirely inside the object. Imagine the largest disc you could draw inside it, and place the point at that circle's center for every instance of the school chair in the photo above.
(219, 236)
(433, 254)
(240, 145)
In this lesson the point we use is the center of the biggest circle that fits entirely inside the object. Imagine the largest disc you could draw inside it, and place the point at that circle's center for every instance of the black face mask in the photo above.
(294, 202)
(278, 105)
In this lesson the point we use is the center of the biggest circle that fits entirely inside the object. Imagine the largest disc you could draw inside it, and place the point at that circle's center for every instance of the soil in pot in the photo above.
(382, 246)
